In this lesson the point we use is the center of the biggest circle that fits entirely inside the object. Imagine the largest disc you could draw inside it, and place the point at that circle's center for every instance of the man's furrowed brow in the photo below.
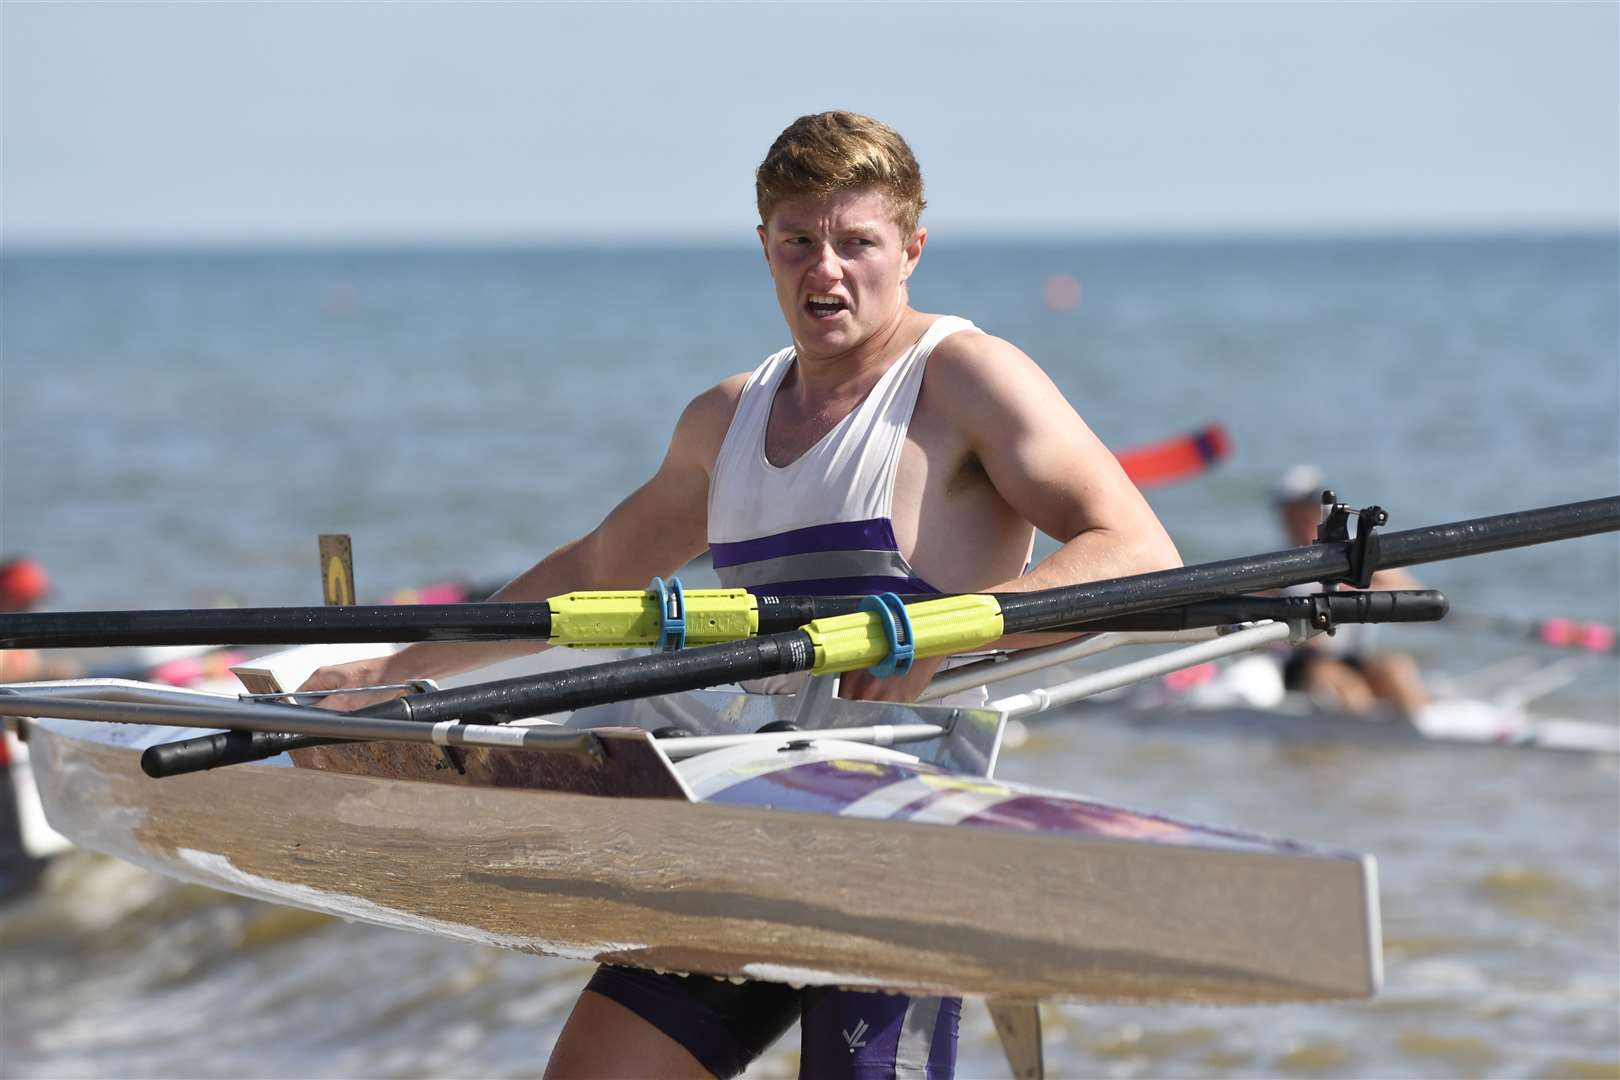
(790, 224)
(808, 226)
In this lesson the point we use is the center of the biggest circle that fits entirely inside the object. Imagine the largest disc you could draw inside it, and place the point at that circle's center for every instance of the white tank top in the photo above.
(820, 526)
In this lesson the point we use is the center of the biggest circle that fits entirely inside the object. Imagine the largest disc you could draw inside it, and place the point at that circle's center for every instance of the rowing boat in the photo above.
(621, 813)
(790, 857)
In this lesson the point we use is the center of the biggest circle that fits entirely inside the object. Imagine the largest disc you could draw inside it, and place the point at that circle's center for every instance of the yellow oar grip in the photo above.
(947, 625)
(594, 620)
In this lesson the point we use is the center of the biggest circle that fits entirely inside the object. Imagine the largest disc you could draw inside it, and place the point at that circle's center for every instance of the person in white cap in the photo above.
(1343, 669)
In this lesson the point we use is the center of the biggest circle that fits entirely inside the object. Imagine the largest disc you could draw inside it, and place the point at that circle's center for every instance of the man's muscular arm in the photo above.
(655, 530)
(1048, 466)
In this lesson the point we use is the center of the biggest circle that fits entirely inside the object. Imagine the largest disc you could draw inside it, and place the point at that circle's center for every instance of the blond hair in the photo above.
(830, 152)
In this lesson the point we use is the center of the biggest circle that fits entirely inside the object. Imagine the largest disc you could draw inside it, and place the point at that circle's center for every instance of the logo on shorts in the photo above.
(858, 1037)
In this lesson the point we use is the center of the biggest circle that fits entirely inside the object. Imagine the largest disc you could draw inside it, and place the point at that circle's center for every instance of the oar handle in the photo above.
(224, 748)
(1394, 606)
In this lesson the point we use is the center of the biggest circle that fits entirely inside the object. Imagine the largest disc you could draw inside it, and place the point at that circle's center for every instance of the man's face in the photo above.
(839, 264)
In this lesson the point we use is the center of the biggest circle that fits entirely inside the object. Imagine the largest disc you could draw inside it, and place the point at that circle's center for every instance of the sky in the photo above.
(393, 123)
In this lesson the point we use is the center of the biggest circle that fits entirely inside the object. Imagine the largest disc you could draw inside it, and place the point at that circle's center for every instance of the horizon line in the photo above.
(361, 244)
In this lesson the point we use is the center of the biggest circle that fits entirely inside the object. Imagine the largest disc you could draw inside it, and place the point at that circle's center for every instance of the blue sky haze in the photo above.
(147, 123)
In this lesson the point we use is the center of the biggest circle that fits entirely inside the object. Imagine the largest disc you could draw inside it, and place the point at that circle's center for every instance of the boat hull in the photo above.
(1086, 902)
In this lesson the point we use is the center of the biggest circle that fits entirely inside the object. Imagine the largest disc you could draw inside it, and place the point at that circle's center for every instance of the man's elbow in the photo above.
(1157, 553)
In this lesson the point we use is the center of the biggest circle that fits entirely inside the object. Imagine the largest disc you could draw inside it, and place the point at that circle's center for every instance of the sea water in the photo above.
(175, 429)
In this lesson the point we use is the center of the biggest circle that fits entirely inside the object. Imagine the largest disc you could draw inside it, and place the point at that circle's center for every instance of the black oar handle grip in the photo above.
(1404, 605)
(224, 748)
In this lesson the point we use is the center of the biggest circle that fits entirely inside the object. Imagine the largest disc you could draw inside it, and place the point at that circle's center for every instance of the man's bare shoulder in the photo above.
(717, 404)
(968, 369)
(724, 394)
(973, 347)
(704, 421)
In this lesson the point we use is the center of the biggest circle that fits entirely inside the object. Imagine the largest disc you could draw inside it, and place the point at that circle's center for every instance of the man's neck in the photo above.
(829, 376)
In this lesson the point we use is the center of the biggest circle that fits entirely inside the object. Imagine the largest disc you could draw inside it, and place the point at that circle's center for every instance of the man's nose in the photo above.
(827, 268)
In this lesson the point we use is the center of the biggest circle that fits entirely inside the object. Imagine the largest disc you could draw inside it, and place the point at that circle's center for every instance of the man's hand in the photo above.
(861, 686)
(372, 672)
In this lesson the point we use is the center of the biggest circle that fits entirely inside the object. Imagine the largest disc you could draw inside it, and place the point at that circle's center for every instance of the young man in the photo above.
(885, 450)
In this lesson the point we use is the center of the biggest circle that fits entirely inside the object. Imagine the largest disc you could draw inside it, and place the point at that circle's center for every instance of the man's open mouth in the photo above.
(823, 305)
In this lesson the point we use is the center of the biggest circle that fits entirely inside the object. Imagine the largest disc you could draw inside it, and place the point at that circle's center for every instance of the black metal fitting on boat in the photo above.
(1321, 613)
(1364, 546)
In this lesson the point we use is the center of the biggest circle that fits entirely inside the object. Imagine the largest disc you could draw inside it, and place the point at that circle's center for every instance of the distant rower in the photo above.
(1342, 668)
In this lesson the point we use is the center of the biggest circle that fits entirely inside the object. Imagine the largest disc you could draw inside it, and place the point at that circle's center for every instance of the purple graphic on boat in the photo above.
(832, 786)
(824, 787)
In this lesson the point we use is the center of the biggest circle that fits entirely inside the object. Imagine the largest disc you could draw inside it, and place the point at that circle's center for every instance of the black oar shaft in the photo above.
(276, 625)
(1118, 597)
(1420, 605)
(1392, 606)
(468, 622)
(492, 621)
(511, 699)
(1055, 608)
(1500, 532)
(574, 688)
(664, 673)
(1022, 611)
(259, 717)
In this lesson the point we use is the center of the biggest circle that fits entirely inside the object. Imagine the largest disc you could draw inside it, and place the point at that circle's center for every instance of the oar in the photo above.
(1321, 611)
(261, 718)
(1178, 458)
(609, 619)
(960, 623)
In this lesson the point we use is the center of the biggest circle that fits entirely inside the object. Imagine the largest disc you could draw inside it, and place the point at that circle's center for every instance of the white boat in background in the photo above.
(1491, 707)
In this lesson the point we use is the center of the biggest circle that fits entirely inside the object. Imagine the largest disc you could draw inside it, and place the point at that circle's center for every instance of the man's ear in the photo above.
(765, 247)
(914, 252)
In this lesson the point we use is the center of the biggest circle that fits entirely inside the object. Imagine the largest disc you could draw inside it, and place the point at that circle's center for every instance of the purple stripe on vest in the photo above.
(846, 586)
(874, 534)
